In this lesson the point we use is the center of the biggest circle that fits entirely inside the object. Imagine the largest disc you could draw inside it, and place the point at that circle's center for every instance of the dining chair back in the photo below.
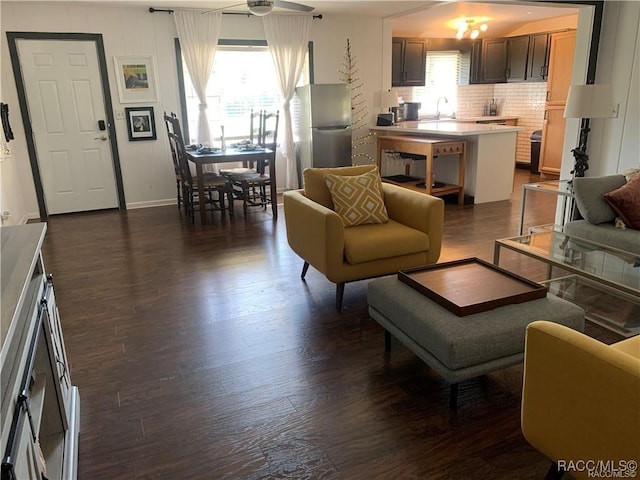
(255, 126)
(176, 140)
(269, 136)
(168, 122)
(251, 185)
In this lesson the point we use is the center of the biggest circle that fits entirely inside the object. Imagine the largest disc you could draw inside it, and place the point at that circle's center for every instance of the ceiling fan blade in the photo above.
(224, 8)
(293, 6)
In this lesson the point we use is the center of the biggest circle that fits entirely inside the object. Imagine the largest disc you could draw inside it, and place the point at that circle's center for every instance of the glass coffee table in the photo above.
(603, 280)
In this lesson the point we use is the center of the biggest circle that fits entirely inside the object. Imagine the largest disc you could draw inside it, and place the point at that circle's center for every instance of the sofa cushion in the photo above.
(365, 243)
(589, 194)
(315, 187)
(357, 198)
(625, 201)
(605, 234)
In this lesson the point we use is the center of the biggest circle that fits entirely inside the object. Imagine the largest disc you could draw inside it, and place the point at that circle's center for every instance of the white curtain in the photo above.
(198, 35)
(287, 37)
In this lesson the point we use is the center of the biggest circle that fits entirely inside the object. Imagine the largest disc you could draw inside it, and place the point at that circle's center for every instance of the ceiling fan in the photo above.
(264, 7)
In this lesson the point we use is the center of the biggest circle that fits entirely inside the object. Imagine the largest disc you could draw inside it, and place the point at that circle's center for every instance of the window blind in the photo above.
(443, 72)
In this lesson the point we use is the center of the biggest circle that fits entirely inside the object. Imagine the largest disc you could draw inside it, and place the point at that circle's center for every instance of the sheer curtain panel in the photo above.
(198, 35)
(287, 37)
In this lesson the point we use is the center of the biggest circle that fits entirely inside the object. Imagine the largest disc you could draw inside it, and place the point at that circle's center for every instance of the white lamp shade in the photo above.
(389, 99)
(589, 101)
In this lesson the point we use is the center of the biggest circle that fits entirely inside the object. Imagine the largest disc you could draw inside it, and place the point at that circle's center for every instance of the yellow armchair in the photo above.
(412, 236)
(581, 401)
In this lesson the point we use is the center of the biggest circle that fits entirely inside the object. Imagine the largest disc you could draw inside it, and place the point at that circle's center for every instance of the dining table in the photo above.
(233, 155)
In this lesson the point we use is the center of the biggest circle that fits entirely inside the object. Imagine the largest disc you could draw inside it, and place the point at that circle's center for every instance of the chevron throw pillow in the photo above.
(357, 198)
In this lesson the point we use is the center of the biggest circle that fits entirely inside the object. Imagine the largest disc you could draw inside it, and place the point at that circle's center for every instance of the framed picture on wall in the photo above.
(141, 123)
(136, 78)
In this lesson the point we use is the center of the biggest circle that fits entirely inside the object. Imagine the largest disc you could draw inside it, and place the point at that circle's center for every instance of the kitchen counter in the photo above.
(448, 127)
(490, 160)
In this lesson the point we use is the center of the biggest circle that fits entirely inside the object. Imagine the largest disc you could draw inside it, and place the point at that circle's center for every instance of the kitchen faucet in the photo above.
(438, 106)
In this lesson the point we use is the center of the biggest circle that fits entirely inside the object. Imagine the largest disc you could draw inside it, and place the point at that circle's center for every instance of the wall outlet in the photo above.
(120, 115)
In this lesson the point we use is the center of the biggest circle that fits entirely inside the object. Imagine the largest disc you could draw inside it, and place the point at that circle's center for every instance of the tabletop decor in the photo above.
(141, 124)
(136, 78)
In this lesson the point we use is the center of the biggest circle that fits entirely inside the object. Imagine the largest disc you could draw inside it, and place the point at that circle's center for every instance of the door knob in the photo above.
(103, 138)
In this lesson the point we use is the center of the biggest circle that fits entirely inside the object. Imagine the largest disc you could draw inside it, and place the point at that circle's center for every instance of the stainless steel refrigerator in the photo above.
(322, 126)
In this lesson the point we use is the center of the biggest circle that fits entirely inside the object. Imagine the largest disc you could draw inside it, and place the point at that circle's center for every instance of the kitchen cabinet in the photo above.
(40, 407)
(551, 148)
(527, 58)
(408, 62)
(513, 59)
(561, 50)
(489, 61)
(537, 64)
(517, 53)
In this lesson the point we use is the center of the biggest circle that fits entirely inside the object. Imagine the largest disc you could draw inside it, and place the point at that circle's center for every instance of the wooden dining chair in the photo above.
(174, 158)
(251, 184)
(213, 183)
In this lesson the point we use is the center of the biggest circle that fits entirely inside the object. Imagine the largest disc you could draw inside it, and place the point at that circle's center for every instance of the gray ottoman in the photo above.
(459, 348)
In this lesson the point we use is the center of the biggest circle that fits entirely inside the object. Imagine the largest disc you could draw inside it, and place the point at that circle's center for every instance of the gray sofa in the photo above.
(598, 218)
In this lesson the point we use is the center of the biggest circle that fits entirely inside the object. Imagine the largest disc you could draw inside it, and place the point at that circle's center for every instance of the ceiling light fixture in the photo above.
(260, 7)
(472, 25)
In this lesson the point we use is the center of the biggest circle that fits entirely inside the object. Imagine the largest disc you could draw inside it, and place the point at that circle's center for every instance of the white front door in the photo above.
(64, 97)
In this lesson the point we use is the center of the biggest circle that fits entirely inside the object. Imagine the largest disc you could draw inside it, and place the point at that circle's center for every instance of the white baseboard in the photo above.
(153, 203)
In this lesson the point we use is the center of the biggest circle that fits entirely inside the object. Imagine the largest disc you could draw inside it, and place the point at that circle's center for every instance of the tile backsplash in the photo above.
(522, 99)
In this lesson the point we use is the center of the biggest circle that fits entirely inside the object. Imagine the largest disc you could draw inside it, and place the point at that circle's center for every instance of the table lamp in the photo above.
(587, 102)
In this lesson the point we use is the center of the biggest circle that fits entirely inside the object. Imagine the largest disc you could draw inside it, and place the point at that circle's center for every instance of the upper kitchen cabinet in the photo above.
(527, 58)
(537, 64)
(561, 50)
(490, 65)
(517, 54)
(408, 62)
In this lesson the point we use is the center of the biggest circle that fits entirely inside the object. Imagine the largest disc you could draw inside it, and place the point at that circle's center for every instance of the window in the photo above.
(442, 75)
(243, 78)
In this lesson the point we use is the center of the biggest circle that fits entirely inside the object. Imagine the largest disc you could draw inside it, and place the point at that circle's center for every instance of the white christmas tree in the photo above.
(361, 135)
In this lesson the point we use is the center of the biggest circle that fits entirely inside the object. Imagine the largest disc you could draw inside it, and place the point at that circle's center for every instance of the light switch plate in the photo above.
(119, 114)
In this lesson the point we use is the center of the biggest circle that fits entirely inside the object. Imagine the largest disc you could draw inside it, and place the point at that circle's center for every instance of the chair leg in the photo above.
(245, 197)
(387, 341)
(221, 201)
(305, 267)
(339, 295)
(230, 199)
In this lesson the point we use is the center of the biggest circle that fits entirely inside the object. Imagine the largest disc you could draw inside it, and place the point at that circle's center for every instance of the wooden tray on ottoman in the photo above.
(471, 285)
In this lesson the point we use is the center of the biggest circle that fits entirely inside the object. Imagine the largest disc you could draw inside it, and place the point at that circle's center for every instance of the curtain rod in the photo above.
(170, 11)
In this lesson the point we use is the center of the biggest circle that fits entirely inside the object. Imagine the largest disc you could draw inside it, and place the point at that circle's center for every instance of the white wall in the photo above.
(146, 166)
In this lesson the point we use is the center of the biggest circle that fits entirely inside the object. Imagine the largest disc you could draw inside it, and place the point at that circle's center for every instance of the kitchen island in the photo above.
(490, 155)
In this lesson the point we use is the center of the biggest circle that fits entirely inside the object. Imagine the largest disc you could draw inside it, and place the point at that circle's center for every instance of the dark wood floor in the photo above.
(200, 354)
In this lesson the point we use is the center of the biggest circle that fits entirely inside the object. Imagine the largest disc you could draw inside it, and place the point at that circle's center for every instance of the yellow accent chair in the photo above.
(581, 400)
(411, 237)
